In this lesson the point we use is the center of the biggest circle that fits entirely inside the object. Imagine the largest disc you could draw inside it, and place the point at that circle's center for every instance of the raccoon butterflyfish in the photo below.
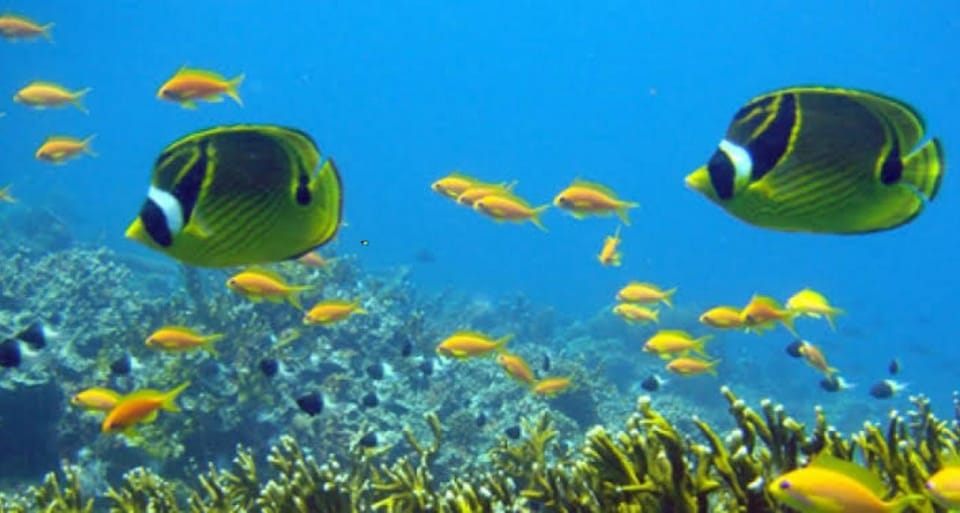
(823, 160)
(240, 195)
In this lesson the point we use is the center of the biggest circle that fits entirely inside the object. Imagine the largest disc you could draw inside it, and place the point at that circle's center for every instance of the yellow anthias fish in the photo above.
(551, 386)
(482, 189)
(610, 254)
(189, 85)
(811, 303)
(140, 407)
(763, 311)
(41, 95)
(453, 185)
(669, 343)
(257, 284)
(240, 195)
(823, 160)
(638, 292)
(944, 485)
(58, 148)
(636, 313)
(722, 317)
(182, 338)
(6, 195)
(14, 27)
(96, 399)
(329, 312)
(465, 344)
(516, 367)
(832, 485)
(503, 206)
(686, 366)
(583, 198)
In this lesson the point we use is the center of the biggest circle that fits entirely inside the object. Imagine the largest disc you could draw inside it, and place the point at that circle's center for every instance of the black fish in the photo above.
(793, 349)
(375, 371)
(652, 383)
(121, 366)
(10, 354)
(370, 400)
(830, 383)
(269, 367)
(311, 404)
(546, 362)
(426, 367)
(481, 419)
(425, 256)
(894, 367)
(369, 440)
(35, 335)
(886, 389)
(406, 348)
(513, 432)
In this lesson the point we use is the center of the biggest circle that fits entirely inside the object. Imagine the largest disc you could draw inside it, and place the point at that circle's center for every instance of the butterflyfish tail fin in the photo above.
(232, 86)
(923, 169)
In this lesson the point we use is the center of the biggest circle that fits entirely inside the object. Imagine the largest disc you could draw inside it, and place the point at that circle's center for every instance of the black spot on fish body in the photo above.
(369, 440)
(187, 188)
(794, 348)
(311, 404)
(10, 355)
(722, 175)
(269, 367)
(121, 366)
(155, 223)
(34, 335)
(651, 384)
(770, 145)
(364, 242)
(512, 432)
(303, 190)
(881, 390)
(830, 384)
(370, 400)
(892, 169)
(375, 371)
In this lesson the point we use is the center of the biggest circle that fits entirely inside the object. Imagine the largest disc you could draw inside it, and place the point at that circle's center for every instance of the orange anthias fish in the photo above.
(637, 292)
(189, 85)
(944, 485)
(551, 386)
(140, 407)
(667, 343)
(182, 338)
(516, 367)
(609, 253)
(686, 366)
(41, 95)
(583, 198)
(257, 284)
(453, 184)
(329, 312)
(508, 207)
(57, 149)
(465, 344)
(762, 312)
(636, 313)
(314, 259)
(832, 485)
(6, 195)
(96, 399)
(815, 358)
(811, 303)
(481, 190)
(15, 27)
(722, 317)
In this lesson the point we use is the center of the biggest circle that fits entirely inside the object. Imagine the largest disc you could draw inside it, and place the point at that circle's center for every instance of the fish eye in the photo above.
(784, 485)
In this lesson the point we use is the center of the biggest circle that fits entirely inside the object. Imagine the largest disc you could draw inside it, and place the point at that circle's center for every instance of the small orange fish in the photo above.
(182, 338)
(832, 485)
(453, 184)
(583, 198)
(189, 85)
(314, 259)
(762, 312)
(140, 407)
(481, 189)
(58, 148)
(686, 366)
(609, 253)
(13, 27)
(6, 195)
(516, 367)
(41, 95)
(329, 312)
(257, 284)
(636, 313)
(96, 399)
(815, 358)
(508, 207)
(944, 485)
(637, 292)
(722, 317)
(552, 386)
(811, 303)
(464, 344)
(667, 343)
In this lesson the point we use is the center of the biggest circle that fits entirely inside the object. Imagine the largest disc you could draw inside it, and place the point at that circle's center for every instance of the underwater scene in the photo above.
(467, 257)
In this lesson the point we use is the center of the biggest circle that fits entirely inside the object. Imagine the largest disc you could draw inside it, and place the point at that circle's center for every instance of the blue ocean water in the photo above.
(631, 94)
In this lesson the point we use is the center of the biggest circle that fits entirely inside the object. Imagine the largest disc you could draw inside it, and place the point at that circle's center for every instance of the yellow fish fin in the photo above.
(923, 169)
(169, 398)
(86, 146)
(150, 418)
(188, 104)
(214, 98)
(851, 470)
(898, 505)
(712, 367)
(535, 216)
(232, 86)
(668, 297)
(622, 208)
(267, 273)
(45, 31)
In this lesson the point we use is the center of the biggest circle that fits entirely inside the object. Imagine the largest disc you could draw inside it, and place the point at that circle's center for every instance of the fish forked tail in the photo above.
(78, 99)
(668, 297)
(169, 399)
(898, 505)
(535, 217)
(923, 169)
(6, 196)
(86, 146)
(45, 31)
(232, 86)
(623, 207)
(831, 317)
(293, 296)
(500, 344)
(208, 342)
(788, 319)
(698, 345)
